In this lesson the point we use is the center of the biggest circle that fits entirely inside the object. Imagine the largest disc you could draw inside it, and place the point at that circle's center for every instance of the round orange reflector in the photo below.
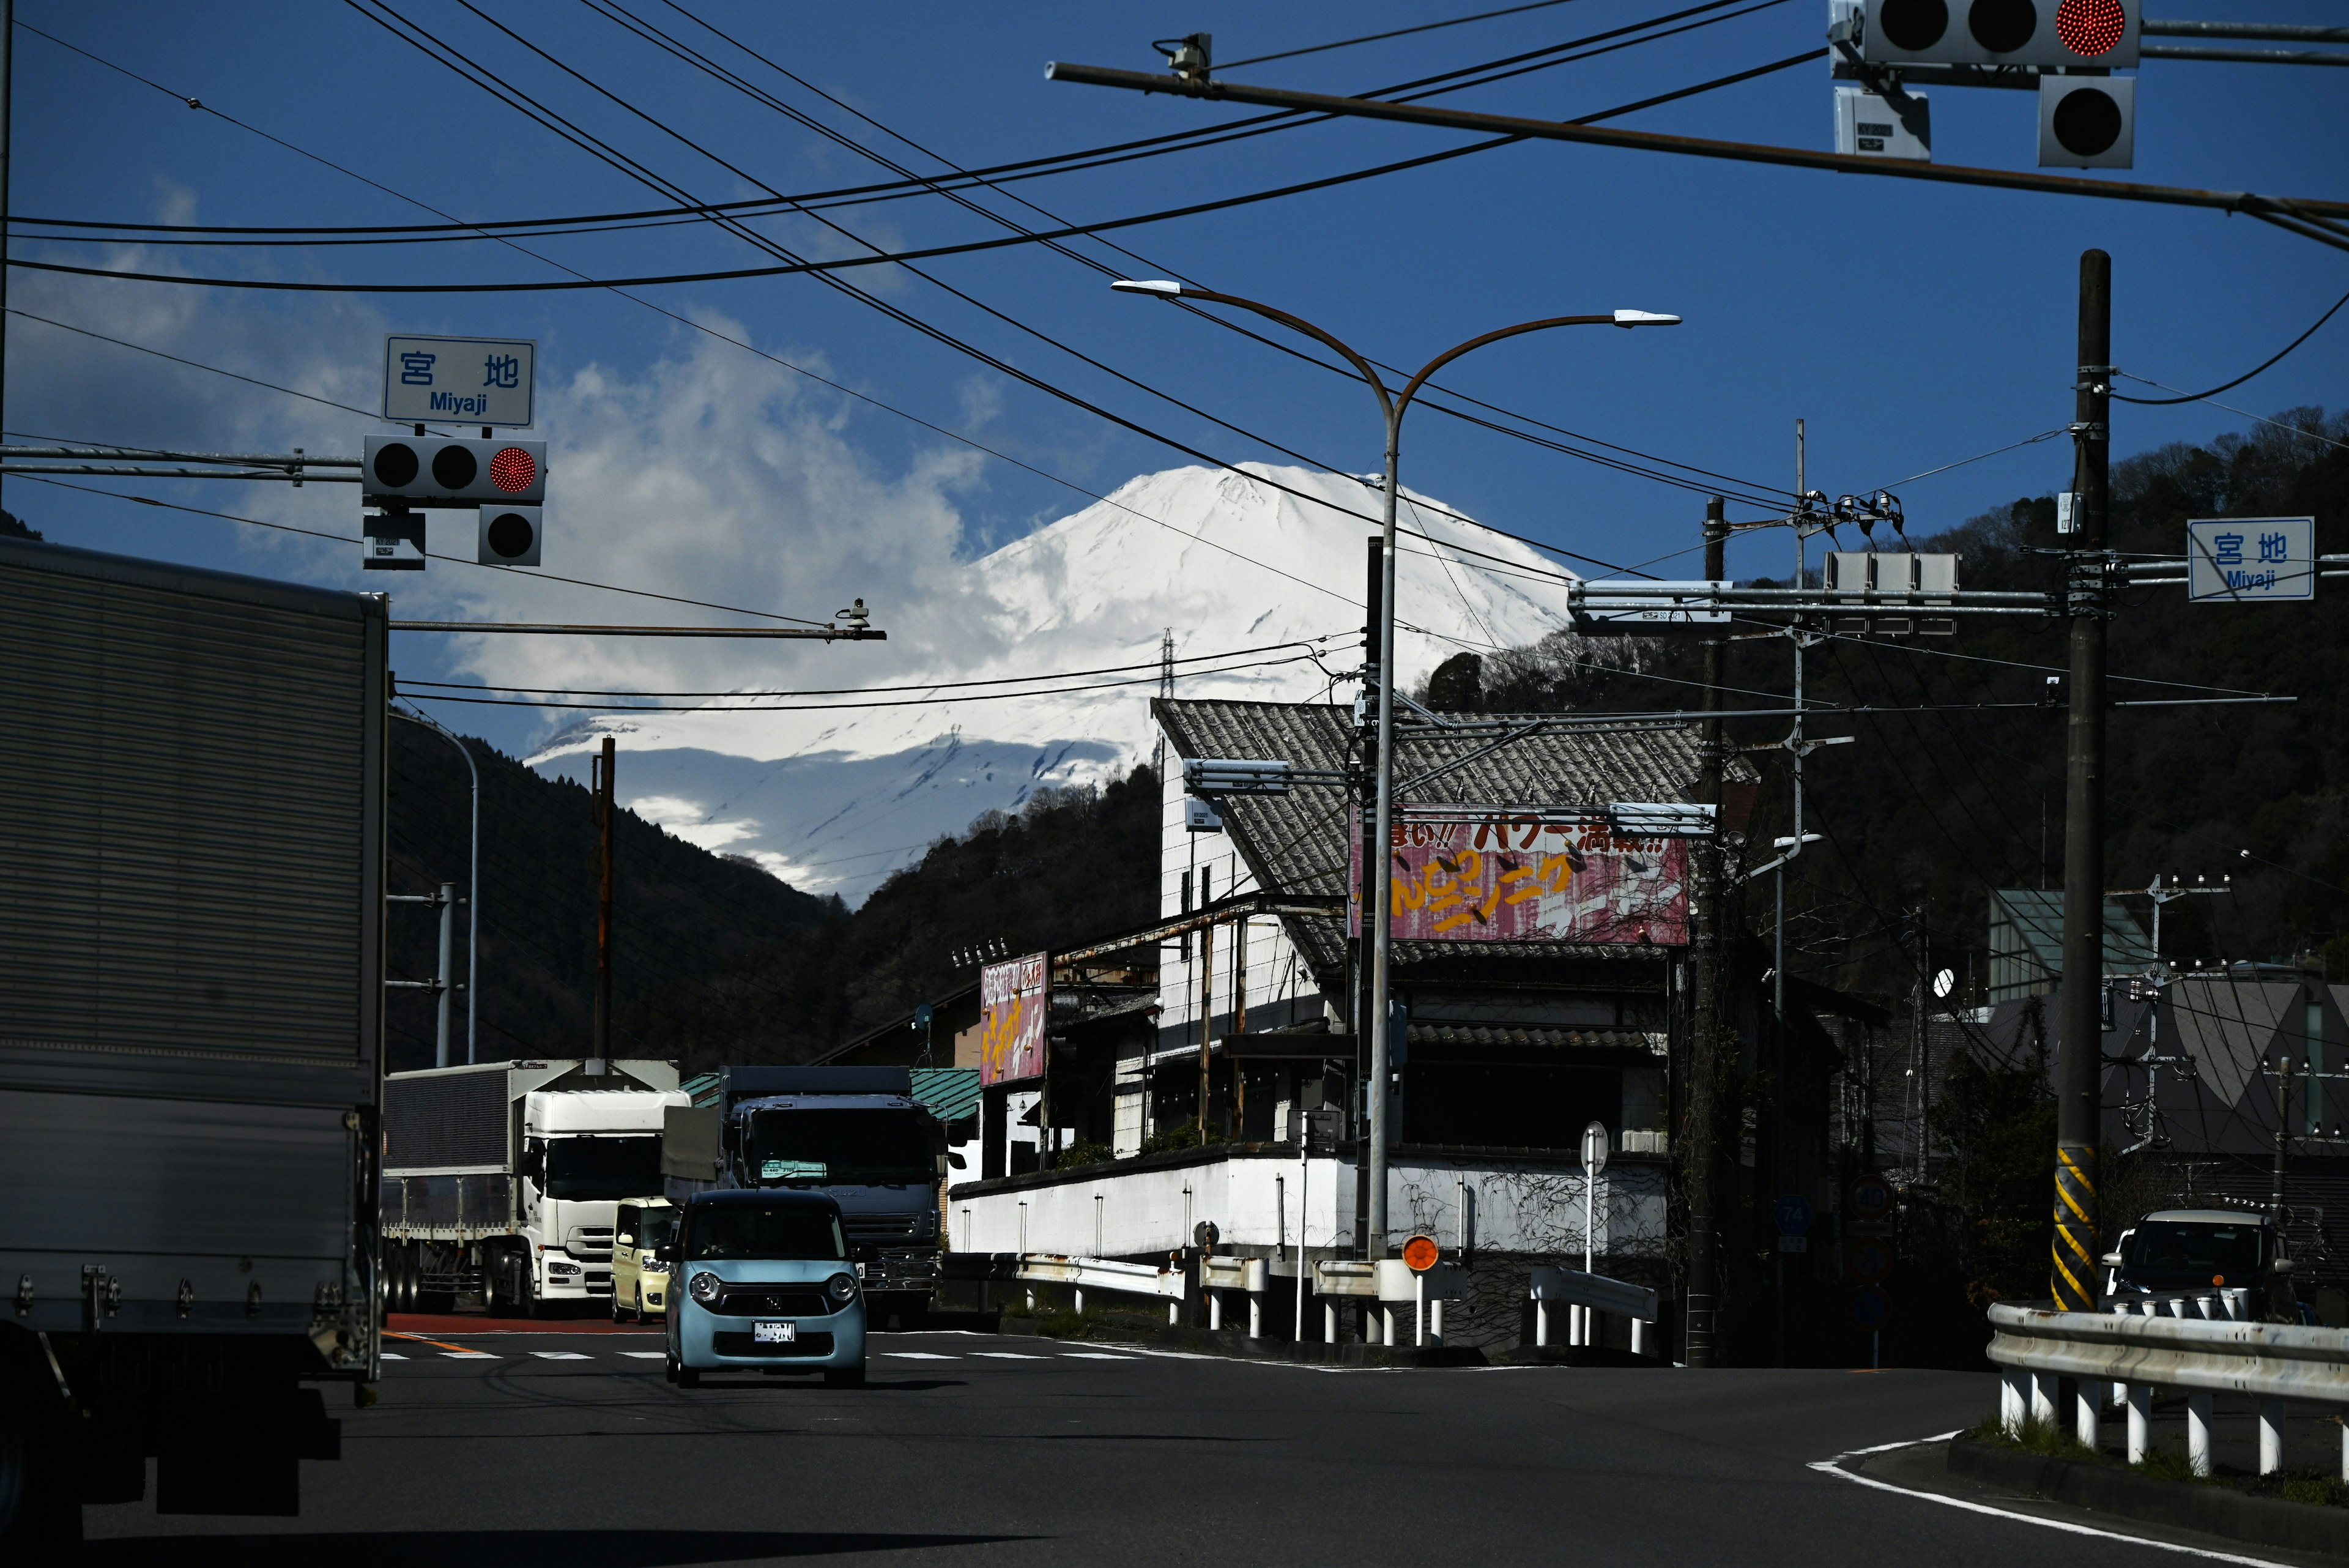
(2217, 1279)
(1422, 1253)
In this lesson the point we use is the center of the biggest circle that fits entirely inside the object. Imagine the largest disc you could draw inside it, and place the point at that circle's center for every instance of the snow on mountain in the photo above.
(832, 798)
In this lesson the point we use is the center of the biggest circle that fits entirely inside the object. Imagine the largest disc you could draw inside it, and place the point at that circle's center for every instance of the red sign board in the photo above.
(1015, 1001)
(1492, 874)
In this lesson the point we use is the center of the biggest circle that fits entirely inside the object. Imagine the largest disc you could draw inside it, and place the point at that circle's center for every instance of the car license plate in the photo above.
(774, 1332)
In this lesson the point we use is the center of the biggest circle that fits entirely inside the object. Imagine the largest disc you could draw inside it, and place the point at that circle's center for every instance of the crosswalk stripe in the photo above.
(468, 1355)
(919, 1356)
(646, 1354)
(1008, 1356)
(558, 1356)
(1096, 1355)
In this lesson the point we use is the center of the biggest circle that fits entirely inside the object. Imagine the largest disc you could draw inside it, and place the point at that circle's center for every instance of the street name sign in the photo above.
(2245, 560)
(466, 381)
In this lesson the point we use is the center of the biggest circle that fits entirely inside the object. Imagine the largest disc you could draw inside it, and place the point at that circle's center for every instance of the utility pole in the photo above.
(1166, 694)
(600, 1061)
(1373, 863)
(1704, 985)
(2078, 1112)
(447, 902)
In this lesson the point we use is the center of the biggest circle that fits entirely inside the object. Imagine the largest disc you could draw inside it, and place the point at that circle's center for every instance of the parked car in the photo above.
(639, 1280)
(2186, 1251)
(766, 1286)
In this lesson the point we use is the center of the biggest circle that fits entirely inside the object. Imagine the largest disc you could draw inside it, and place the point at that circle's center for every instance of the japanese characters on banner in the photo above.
(1466, 873)
(1015, 1003)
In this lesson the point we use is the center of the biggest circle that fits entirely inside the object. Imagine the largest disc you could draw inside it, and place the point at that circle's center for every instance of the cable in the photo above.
(2230, 408)
(2229, 386)
(914, 686)
(460, 560)
(1394, 32)
(2010, 446)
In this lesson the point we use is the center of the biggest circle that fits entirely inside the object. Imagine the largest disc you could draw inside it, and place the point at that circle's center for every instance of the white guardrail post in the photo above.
(2195, 1344)
(1594, 1294)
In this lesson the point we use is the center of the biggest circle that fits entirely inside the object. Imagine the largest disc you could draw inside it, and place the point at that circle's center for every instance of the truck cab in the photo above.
(2186, 1252)
(583, 1154)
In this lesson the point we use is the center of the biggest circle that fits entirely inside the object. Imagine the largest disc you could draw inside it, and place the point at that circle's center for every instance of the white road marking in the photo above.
(919, 1356)
(393, 1355)
(1096, 1355)
(559, 1356)
(1008, 1356)
(646, 1354)
(1832, 1466)
(468, 1356)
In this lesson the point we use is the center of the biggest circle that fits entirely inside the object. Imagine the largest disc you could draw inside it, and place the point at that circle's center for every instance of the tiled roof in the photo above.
(1295, 843)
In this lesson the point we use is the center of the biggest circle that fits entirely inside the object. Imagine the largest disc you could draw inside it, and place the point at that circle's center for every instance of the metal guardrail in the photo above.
(2136, 1354)
(1587, 1295)
(1101, 1275)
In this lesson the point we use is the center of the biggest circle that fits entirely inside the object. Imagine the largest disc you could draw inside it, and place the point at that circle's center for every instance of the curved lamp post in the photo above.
(1391, 406)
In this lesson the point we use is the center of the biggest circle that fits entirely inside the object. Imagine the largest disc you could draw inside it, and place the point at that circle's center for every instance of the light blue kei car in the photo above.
(761, 1282)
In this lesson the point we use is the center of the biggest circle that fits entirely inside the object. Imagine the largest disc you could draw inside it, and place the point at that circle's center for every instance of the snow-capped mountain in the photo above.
(831, 797)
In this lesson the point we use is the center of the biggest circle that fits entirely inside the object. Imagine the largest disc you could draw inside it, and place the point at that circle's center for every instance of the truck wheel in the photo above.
(525, 1301)
(844, 1378)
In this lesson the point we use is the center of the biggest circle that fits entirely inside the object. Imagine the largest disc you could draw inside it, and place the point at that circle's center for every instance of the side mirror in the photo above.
(2280, 1266)
(2110, 1259)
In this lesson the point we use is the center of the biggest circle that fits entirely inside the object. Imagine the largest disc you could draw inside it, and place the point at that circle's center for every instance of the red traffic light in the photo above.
(512, 470)
(2091, 27)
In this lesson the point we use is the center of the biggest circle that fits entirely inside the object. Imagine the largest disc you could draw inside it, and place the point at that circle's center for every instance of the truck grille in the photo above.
(874, 1228)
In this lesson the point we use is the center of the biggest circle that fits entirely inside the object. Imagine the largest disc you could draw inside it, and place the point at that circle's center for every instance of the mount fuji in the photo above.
(833, 797)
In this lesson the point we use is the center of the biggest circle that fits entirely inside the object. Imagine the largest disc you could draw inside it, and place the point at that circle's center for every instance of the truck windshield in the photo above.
(603, 1167)
(2170, 1246)
(854, 1147)
(743, 1230)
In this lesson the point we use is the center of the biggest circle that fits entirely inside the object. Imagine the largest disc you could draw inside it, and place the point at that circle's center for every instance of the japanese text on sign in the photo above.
(2240, 560)
(465, 380)
(1015, 1003)
(1497, 875)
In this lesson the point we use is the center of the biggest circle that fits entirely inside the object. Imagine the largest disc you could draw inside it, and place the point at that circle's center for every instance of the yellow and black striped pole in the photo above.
(2079, 1046)
(2076, 1250)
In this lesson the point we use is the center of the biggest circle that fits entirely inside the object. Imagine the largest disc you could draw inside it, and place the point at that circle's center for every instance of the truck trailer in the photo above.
(192, 825)
(502, 1179)
(855, 1133)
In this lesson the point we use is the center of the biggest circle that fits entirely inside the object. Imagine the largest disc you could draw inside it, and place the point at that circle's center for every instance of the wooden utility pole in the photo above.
(2079, 1046)
(1704, 980)
(604, 813)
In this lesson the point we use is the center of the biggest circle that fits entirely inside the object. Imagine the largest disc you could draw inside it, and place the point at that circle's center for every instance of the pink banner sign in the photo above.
(1015, 1001)
(1499, 876)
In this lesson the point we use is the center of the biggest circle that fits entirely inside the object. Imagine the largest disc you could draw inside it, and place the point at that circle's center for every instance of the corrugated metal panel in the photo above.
(438, 1120)
(950, 1093)
(184, 815)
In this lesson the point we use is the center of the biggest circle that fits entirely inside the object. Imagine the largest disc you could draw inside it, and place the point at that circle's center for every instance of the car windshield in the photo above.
(603, 1167)
(657, 1229)
(842, 1147)
(753, 1230)
(2170, 1246)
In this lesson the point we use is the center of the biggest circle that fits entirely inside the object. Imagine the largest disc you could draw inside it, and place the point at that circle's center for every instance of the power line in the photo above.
(2230, 408)
(1395, 33)
(2230, 386)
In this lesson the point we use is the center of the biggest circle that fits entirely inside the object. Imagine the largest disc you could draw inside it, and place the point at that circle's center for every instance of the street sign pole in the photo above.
(1594, 1160)
(2081, 1038)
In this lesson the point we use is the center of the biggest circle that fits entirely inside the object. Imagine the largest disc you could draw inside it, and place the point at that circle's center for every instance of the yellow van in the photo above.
(640, 1282)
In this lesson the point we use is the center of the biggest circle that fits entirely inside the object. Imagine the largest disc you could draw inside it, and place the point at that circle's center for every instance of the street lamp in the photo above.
(1391, 406)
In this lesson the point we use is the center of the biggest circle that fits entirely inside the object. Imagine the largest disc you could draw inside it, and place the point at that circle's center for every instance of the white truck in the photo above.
(191, 870)
(502, 1179)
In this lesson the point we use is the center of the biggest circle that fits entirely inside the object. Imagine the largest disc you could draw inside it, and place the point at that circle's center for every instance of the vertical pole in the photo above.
(1239, 1017)
(2086, 1400)
(440, 986)
(2283, 1138)
(2270, 1436)
(603, 1046)
(2078, 1102)
(2198, 1421)
(1304, 1264)
(1380, 912)
(1705, 983)
(2140, 1421)
(7, 82)
(1206, 1016)
(1357, 993)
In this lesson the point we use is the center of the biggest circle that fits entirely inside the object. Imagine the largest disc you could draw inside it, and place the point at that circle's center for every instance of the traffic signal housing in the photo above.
(512, 535)
(452, 471)
(2088, 122)
(2046, 34)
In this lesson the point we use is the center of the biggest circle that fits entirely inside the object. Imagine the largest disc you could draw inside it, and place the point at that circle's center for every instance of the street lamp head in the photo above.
(1644, 318)
(1164, 287)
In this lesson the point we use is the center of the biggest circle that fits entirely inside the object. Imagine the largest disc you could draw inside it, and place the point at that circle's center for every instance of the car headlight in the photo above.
(841, 1288)
(703, 1288)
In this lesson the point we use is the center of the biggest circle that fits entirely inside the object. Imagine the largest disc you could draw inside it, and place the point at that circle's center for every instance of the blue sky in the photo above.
(1911, 326)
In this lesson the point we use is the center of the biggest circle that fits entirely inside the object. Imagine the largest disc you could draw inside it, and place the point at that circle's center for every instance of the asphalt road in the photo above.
(529, 1450)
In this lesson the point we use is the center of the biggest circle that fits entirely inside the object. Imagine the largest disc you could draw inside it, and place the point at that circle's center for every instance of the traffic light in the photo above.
(2088, 122)
(452, 471)
(512, 535)
(2043, 33)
